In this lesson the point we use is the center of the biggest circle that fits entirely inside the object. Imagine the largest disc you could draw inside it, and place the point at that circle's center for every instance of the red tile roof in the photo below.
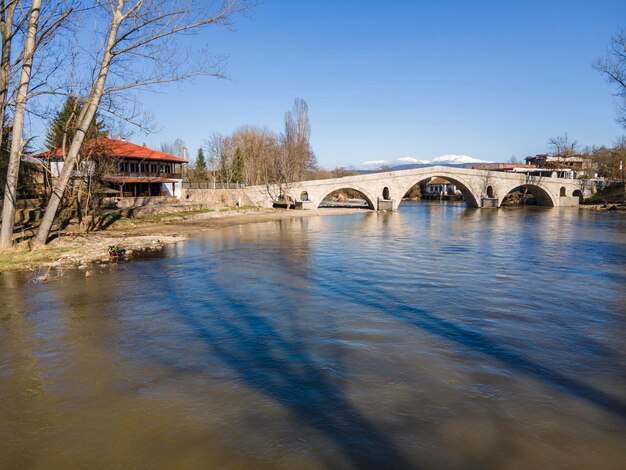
(438, 180)
(121, 148)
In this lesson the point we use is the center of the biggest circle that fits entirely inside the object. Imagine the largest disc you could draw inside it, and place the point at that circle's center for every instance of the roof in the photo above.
(121, 148)
(438, 180)
(147, 179)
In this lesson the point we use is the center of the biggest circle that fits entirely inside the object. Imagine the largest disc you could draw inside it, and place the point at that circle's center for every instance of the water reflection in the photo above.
(434, 336)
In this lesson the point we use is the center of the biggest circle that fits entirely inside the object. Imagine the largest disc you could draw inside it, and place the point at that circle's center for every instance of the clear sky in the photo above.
(390, 79)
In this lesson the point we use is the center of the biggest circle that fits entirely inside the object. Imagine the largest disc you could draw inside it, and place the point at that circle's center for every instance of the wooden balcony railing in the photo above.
(146, 174)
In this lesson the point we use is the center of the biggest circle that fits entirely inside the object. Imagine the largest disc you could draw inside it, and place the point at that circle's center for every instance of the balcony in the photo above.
(145, 174)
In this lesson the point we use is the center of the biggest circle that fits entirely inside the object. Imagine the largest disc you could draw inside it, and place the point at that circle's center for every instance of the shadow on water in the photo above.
(481, 343)
(280, 367)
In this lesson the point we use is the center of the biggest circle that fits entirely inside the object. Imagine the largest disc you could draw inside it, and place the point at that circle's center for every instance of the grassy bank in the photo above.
(139, 235)
(22, 259)
(611, 198)
(612, 194)
(73, 246)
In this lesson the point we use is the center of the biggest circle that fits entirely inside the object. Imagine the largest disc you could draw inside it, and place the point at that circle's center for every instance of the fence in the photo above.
(213, 185)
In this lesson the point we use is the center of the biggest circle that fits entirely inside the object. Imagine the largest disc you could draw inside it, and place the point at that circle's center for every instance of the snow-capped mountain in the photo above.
(372, 165)
(455, 160)
(410, 162)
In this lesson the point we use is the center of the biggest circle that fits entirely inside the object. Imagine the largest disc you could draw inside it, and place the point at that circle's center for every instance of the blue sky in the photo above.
(385, 80)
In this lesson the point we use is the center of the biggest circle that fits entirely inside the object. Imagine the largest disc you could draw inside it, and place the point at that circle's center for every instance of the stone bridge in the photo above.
(384, 191)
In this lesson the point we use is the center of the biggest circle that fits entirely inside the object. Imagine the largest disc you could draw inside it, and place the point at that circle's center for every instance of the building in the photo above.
(571, 166)
(516, 167)
(129, 169)
(438, 186)
(531, 169)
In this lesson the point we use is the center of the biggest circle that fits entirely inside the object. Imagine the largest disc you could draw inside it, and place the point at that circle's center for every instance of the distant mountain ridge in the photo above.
(407, 163)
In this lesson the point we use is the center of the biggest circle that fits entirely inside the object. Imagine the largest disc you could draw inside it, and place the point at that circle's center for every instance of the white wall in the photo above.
(56, 168)
(178, 188)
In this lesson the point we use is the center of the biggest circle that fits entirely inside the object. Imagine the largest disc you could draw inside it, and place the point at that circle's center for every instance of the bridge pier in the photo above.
(569, 201)
(489, 202)
(386, 205)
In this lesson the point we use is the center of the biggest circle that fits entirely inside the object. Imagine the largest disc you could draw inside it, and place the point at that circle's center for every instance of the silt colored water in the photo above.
(437, 336)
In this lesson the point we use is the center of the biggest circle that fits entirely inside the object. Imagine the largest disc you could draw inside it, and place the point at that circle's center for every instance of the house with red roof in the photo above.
(133, 170)
(439, 186)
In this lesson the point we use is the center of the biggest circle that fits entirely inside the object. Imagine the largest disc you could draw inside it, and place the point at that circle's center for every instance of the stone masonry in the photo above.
(480, 188)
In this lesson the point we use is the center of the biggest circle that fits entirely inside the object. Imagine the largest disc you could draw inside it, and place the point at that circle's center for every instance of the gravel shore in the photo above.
(140, 237)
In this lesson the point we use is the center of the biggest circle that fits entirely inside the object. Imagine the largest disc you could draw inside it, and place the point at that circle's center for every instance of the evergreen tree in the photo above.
(26, 175)
(4, 156)
(238, 166)
(66, 122)
(200, 169)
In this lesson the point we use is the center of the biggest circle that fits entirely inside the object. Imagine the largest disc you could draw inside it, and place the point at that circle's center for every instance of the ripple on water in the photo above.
(433, 336)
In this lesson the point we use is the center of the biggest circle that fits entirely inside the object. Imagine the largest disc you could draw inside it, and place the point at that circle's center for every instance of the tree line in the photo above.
(258, 156)
(603, 161)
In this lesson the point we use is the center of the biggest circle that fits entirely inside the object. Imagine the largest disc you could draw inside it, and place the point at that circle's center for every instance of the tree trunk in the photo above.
(84, 121)
(17, 143)
(6, 31)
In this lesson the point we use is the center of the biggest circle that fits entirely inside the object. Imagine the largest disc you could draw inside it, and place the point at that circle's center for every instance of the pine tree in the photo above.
(238, 166)
(25, 178)
(200, 168)
(65, 122)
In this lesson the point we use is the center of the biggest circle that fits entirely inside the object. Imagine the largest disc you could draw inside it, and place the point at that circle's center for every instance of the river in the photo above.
(435, 336)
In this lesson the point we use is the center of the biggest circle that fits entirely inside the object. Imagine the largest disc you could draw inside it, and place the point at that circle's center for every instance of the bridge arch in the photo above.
(543, 195)
(370, 199)
(472, 198)
(579, 194)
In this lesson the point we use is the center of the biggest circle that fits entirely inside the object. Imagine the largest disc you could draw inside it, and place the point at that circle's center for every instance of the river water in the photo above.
(436, 336)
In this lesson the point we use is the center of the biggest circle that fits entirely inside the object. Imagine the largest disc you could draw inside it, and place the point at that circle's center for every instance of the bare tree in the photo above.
(562, 146)
(7, 32)
(225, 151)
(34, 38)
(178, 148)
(613, 66)
(141, 49)
(619, 159)
(257, 147)
(302, 161)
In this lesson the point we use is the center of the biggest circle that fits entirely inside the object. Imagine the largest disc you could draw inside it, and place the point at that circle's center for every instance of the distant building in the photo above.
(534, 168)
(438, 186)
(579, 165)
(133, 170)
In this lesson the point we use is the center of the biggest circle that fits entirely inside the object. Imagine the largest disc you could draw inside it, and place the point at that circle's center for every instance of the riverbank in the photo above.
(140, 237)
(605, 207)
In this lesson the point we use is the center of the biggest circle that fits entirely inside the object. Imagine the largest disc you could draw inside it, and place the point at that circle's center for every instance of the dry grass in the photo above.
(20, 258)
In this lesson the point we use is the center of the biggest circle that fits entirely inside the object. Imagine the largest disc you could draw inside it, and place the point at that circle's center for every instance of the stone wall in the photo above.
(127, 202)
(217, 197)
